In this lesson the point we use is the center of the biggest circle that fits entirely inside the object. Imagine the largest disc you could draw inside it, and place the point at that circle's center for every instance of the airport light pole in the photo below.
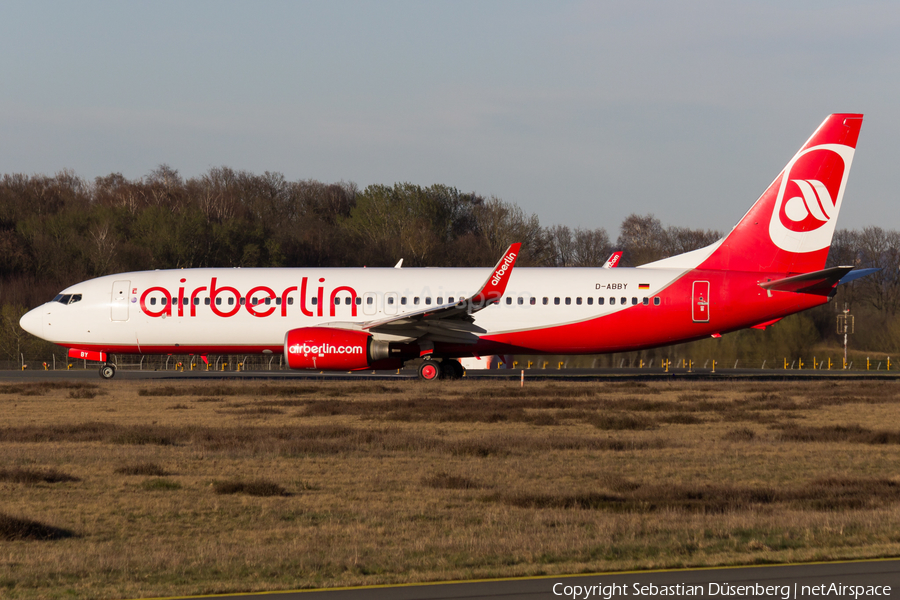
(845, 325)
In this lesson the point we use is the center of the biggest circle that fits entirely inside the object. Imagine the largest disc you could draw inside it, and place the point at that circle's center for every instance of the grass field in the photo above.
(125, 490)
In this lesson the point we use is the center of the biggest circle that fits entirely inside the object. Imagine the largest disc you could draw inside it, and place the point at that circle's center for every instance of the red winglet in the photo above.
(495, 286)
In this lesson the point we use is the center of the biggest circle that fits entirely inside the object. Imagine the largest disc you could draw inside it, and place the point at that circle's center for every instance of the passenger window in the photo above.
(315, 300)
(243, 300)
(568, 301)
(600, 301)
(646, 301)
(291, 301)
(508, 300)
(371, 300)
(521, 300)
(439, 300)
(152, 301)
(556, 300)
(578, 300)
(277, 302)
(427, 300)
(337, 301)
(633, 300)
(532, 301)
(348, 300)
(163, 300)
(206, 301)
(546, 300)
(218, 301)
(403, 300)
(450, 300)
(623, 300)
(390, 299)
(231, 301)
(416, 300)
(590, 301)
(612, 301)
(656, 301)
(196, 301)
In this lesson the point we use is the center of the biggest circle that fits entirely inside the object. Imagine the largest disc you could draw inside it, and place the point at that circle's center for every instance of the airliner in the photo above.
(771, 264)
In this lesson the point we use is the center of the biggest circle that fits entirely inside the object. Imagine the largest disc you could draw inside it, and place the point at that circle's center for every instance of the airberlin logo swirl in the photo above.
(815, 201)
(809, 198)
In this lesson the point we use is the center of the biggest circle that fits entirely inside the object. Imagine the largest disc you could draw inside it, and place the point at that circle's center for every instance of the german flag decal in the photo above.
(643, 286)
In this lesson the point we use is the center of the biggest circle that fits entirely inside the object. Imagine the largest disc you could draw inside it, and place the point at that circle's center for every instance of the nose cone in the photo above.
(33, 322)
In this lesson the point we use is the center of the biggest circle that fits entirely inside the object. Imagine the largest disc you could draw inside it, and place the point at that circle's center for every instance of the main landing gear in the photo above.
(107, 370)
(432, 370)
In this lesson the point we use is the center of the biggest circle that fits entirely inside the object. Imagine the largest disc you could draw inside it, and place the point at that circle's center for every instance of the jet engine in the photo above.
(332, 349)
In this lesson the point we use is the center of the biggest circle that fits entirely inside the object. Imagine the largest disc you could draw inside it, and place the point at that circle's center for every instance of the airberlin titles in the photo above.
(184, 302)
(505, 264)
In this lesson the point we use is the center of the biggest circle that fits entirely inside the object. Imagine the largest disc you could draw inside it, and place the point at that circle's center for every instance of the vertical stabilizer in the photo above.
(789, 229)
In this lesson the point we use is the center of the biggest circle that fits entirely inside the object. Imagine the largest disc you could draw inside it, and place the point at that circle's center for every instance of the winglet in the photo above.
(495, 286)
(613, 260)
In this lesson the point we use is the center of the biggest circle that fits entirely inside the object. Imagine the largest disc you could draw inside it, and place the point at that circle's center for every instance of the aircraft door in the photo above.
(120, 299)
(370, 303)
(700, 302)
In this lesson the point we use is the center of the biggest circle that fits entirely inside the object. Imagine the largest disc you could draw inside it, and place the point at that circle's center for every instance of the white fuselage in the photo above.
(197, 309)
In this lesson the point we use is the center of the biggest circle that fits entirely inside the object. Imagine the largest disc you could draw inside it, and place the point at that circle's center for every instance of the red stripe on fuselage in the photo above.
(735, 302)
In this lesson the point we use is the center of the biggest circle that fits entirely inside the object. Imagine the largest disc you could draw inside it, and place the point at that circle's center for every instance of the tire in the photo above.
(429, 371)
(451, 369)
(108, 371)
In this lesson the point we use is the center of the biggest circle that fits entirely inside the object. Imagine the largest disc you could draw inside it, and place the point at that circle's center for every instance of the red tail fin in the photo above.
(789, 228)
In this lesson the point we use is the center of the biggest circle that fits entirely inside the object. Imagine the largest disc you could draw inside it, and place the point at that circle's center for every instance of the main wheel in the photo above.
(107, 371)
(429, 371)
(451, 369)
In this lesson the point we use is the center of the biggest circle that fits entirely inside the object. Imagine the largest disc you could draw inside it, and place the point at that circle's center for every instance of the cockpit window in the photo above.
(67, 298)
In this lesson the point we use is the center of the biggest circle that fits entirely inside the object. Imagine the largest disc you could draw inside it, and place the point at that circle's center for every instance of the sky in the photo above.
(579, 112)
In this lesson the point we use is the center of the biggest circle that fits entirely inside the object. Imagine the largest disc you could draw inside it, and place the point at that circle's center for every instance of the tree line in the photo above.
(60, 229)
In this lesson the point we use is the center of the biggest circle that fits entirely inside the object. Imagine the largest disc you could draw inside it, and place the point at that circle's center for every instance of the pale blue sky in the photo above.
(581, 112)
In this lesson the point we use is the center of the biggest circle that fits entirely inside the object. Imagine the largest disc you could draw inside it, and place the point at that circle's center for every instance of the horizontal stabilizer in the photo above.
(817, 282)
(856, 274)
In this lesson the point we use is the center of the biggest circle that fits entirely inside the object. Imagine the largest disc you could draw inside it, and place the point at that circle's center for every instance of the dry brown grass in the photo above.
(258, 487)
(16, 529)
(157, 489)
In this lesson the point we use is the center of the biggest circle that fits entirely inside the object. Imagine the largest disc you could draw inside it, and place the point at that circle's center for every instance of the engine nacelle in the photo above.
(332, 349)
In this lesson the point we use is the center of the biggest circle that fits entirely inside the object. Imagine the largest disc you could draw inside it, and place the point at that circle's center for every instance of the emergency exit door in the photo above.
(700, 302)
(120, 299)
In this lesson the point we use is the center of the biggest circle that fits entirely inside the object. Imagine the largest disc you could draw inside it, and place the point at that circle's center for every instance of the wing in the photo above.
(452, 322)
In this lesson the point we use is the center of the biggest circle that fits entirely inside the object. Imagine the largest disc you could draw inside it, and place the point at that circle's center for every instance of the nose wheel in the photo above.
(108, 371)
